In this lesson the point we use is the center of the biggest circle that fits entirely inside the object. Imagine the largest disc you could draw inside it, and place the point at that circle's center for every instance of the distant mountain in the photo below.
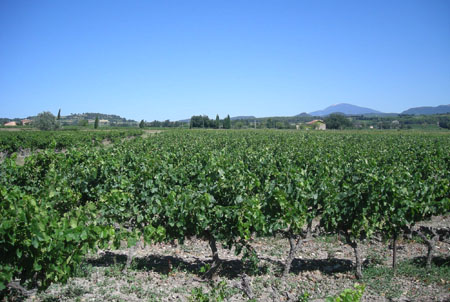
(428, 110)
(303, 114)
(344, 108)
(380, 114)
(236, 118)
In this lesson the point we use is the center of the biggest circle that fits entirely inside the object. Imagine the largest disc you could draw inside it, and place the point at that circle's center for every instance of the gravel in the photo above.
(323, 267)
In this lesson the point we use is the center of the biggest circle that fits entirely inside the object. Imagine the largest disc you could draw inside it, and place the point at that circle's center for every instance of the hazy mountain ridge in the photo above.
(243, 117)
(344, 108)
(349, 109)
(426, 110)
(303, 114)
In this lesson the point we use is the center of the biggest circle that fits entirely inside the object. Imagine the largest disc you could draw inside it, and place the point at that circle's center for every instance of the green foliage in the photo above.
(96, 122)
(83, 123)
(46, 121)
(226, 185)
(14, 141)
(251, 262)
(381, 279)
(227, 122)
(303, 297)
(202, 121)
(218, 293)
(205, 268)
(337, 121)
(349, 295)
(40, 245)
(444, 122)
(409, 268)
(197, 294)
(142, 124)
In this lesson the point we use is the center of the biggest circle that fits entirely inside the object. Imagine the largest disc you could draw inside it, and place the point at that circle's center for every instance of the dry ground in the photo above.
(323, 267)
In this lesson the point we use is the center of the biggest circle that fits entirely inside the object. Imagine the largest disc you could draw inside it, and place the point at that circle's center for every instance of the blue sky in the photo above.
(174, 59)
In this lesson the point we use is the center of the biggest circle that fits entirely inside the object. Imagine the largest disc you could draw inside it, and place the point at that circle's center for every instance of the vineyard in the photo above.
(232, 193)
(13, 141)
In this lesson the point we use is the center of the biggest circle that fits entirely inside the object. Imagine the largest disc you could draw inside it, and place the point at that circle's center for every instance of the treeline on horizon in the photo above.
(333, 121)
(196, 121)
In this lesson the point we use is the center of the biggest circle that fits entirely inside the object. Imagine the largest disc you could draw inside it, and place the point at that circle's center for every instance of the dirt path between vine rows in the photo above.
(323, 268)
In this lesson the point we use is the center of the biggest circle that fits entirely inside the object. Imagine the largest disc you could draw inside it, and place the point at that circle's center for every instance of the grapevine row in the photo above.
(221, 186)
(14, 141)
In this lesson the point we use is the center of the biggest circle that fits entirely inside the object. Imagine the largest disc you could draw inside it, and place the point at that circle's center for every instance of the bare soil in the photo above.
(323, 267)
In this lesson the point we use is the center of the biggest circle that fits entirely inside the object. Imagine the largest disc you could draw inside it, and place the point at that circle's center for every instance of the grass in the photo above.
(219, 292)
(382, 279)
(114, 271)
(440, 270)
(374, 259)
(84, 270)
(73, 291)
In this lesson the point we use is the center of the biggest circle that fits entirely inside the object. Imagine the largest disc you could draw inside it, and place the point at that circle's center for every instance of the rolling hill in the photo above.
(426, 110)
(344, 108)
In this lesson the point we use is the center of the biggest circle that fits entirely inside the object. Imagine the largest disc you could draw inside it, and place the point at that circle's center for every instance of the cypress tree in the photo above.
(227, 122)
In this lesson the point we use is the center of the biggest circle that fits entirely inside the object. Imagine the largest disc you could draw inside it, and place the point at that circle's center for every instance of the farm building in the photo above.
(9, 124)
(26, 121)
(317, 124)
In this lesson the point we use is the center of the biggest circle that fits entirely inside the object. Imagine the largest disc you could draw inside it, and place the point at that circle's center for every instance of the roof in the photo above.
(314, 121)
(10, 124)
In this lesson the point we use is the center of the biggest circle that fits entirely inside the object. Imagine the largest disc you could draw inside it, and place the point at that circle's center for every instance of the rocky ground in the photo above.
(323, 267)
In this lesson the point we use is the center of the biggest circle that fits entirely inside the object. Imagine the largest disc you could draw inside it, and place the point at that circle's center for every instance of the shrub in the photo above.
(46, 121)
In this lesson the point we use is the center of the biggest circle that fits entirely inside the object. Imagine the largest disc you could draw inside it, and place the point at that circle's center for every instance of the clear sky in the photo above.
(174, 59)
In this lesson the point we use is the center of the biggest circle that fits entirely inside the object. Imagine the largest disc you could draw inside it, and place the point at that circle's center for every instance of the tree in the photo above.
(166, 123)
(217, 121)
(142, 124)
(227, 122)
(337, 121)
(279, 125)
(59, 115)
(196, 121)
(46, 121)
(444, 122)
(96, 122)
(239, 124)
(201, 121)
(83, 123)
